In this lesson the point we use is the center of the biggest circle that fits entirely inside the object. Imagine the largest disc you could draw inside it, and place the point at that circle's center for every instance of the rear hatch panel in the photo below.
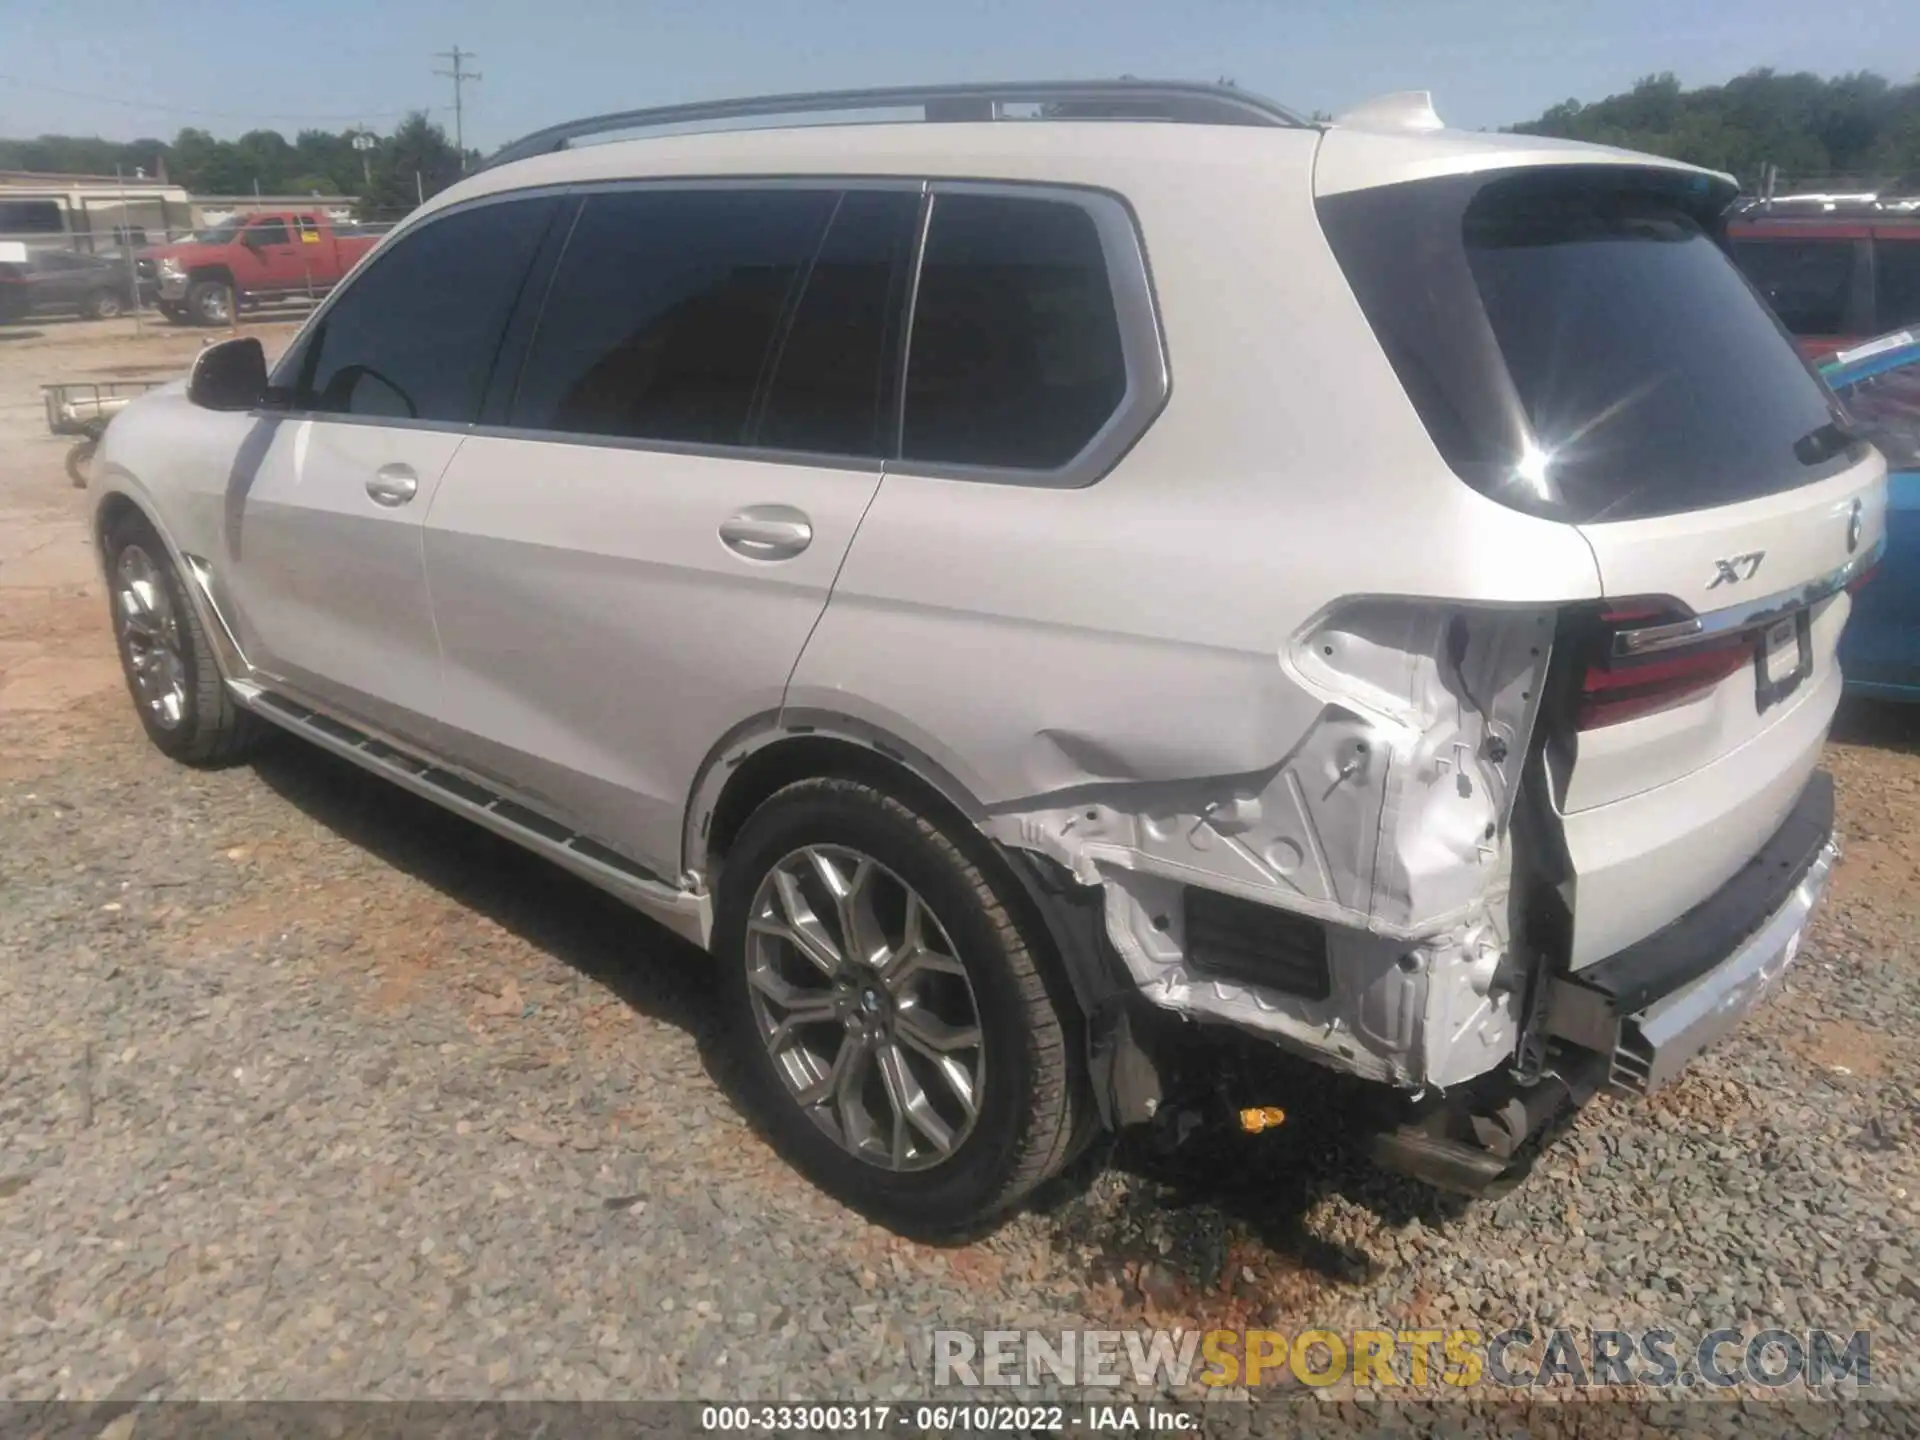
(1580, 347)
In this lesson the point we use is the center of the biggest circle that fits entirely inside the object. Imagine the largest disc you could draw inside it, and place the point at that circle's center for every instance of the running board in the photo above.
(683, 912)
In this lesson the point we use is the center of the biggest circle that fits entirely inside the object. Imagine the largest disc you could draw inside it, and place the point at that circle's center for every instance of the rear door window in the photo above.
(832, 386)
(267, 232)
(1579, 346)
(663, 316)
(1016, 358)
(1896, 270)
(1809, 283)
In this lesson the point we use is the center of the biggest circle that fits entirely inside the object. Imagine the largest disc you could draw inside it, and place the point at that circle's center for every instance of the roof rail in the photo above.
(1182, 101)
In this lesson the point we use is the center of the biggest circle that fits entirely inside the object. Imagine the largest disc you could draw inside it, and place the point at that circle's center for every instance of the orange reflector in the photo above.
(1262, 1117)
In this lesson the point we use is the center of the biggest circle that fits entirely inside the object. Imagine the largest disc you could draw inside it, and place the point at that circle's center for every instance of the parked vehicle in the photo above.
(1834, 279)
(1880, 384)
(64, 282)
(1396, 627)
(253, 259)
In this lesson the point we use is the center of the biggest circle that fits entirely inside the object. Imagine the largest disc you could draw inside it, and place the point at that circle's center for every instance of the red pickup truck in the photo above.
(205, 278)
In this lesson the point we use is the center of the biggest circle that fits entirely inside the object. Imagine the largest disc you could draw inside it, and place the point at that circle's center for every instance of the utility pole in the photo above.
(459, 78)
(364, 142)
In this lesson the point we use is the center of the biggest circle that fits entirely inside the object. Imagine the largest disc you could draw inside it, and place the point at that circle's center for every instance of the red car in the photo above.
(252, 259)
(1834, 280)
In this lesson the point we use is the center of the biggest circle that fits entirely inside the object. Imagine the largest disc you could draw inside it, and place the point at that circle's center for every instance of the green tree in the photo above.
(1809, 127)
(418, 148)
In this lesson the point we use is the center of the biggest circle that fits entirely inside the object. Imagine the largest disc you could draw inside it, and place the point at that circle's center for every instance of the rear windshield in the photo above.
(1579, 346)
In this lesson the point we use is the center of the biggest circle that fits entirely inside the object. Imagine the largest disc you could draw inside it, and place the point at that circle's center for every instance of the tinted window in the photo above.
(30, 217)
(831, 389)
(414, 333)
(1015, 358)
(663, 314)
(267, 232)
(1808, 282)
(1578, 346)
(1896, 268)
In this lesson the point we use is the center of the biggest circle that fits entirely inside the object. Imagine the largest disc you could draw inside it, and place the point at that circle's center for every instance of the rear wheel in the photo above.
(172, 675)
(898, 1040)
(104, 305)
(210, 302)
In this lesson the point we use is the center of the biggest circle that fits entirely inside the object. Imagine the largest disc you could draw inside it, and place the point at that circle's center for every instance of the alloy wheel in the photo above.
(150, 637)
(865, 1008)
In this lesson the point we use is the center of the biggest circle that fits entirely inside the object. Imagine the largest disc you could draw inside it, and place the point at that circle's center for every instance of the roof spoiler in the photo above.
(1410, 110)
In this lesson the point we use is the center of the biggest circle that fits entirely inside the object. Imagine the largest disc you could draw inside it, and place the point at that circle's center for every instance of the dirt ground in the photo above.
(309, 1090)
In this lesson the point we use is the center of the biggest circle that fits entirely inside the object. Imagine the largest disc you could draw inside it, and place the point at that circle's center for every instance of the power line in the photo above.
(188, 109)
(459, 78)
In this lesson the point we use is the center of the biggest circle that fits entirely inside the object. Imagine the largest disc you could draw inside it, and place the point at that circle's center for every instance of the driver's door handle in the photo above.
(393, 485)
(767, 532)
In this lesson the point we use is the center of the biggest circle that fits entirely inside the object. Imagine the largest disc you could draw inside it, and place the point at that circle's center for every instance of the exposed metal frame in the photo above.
(1179, 101)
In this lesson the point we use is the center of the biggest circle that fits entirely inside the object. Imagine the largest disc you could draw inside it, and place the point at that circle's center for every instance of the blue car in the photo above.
(1879, 382)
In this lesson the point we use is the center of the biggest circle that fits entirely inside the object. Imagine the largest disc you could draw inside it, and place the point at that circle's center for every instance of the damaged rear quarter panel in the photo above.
(1265, 655)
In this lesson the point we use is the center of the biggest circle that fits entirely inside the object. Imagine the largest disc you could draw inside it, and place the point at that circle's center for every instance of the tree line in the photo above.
(314, 162)
(1860, 126)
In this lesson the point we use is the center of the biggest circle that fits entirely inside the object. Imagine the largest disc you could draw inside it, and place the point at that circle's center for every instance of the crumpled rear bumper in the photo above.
(1654, 1006)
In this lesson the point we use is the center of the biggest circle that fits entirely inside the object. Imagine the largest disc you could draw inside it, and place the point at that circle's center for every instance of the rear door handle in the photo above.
(393, 485)
(767, 532)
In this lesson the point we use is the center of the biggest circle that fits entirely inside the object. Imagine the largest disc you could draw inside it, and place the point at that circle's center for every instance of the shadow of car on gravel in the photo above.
(1883, 724)
(1161, 1220)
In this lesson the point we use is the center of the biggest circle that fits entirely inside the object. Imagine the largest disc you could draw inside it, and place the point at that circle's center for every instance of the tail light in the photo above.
(1859, 582)
(1616, 688)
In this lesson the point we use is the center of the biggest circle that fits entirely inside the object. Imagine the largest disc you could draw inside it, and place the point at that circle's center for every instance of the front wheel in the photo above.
(210, 302)
(899, 1041)
(172, 674)
(103, 305)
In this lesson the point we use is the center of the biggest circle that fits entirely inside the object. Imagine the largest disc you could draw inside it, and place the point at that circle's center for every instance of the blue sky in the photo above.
(143, 67)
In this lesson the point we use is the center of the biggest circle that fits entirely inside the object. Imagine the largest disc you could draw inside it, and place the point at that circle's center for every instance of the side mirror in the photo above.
(229, 376)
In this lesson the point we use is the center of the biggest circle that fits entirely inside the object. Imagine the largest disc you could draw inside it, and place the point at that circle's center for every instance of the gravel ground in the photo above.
(309, 1090)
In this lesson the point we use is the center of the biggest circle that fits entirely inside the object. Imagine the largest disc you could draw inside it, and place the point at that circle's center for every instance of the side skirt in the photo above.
(687, 914)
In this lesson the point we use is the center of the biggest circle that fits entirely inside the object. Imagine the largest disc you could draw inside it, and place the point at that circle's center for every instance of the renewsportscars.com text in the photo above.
(1514, 1358)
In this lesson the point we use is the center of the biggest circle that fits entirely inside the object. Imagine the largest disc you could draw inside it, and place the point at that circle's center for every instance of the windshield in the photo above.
(1579, 346)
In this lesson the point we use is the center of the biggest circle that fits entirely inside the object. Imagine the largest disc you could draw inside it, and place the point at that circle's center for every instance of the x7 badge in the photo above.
(1735, 569)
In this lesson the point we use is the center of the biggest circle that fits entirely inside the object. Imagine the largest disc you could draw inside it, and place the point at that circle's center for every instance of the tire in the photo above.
(196, 722)
(210, 302)
(104, 305)
(1026, 1086)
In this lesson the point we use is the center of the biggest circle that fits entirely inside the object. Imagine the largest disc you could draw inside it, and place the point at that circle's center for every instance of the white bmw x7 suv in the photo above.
(1056, 588)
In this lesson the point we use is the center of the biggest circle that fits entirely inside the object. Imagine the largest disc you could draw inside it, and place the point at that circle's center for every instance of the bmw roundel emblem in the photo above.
(1853, 529)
